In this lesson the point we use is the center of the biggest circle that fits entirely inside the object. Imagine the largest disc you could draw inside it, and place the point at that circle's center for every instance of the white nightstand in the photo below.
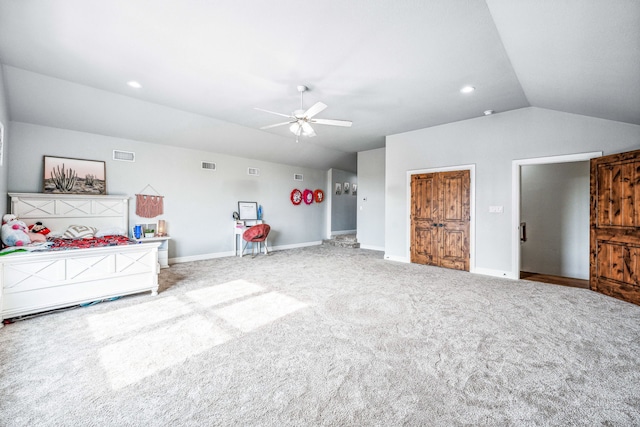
(163, 249)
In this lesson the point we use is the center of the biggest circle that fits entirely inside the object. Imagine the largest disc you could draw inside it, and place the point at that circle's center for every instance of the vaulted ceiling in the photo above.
(389, 66)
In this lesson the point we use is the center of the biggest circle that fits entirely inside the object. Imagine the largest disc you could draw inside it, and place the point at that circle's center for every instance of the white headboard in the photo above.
(58, 211)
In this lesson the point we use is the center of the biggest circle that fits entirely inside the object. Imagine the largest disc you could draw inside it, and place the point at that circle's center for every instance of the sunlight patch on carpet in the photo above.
(145, 354)
(128, 319)
(258, 311)
(214, 295)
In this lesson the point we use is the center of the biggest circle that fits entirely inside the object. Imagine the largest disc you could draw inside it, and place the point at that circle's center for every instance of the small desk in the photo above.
(163, 249)
(239, 227)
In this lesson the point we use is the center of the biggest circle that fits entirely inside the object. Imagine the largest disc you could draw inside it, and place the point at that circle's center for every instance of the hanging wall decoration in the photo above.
(296, 196)
(318, 195)
(307, 196)
(149, 205)
(338, 189)
(74, 176)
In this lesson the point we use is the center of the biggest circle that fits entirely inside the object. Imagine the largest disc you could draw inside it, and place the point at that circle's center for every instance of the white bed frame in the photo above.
(41, 281)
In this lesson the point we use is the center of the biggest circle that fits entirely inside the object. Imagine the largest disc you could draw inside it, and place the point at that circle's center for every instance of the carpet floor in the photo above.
(327, 336)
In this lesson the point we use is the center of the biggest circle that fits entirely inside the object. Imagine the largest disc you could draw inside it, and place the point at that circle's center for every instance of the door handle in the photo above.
(523, 231)
(437, 225)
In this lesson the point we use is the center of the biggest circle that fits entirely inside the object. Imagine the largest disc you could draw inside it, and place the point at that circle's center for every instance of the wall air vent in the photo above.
(124, 156)
(253, 171)
(209, 166)
(298, 177)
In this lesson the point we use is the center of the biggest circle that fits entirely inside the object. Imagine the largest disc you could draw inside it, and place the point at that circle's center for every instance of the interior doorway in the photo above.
(550, 207)
(554, 211)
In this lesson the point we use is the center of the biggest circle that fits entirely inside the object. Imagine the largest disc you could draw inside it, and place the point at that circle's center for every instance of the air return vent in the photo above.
(298, 177)
(209, 166)
(253, 171)
(124, 156)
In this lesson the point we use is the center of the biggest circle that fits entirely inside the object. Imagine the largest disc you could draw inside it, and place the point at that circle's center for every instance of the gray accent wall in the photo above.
(4, 118)
(370, 199)
(343, 206)
(555, 206)
(491, 143)
(198, 203)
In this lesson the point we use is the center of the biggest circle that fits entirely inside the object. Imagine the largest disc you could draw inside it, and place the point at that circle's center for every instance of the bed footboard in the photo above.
(36, 282)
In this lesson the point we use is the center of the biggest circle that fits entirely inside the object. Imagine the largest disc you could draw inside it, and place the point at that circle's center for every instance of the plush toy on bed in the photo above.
(38, 232)
(39, 228)
(14, 231)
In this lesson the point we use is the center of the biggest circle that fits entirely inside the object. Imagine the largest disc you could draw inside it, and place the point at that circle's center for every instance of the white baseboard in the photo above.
(396, 258)
(494, 273)
(202, 257)
(372, 248)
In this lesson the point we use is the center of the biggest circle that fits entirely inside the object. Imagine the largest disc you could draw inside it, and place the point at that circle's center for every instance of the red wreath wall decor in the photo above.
(307, 196)
(296, 196)
(318, 195)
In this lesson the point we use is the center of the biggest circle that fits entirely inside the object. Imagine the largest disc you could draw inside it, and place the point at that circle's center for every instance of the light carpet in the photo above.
(332, 337)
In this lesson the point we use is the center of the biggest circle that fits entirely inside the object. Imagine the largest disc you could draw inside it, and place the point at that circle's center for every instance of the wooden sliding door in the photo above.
(615, 226)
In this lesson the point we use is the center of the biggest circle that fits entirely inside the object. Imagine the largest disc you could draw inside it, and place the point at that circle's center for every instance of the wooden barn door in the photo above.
(615, 226)
(440, 218)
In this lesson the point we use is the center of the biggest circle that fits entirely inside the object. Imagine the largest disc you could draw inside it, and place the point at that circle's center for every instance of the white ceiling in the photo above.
(389, 66)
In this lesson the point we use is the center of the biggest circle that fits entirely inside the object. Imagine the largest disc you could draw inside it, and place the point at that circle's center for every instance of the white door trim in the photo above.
(515, 197)
(472, 208)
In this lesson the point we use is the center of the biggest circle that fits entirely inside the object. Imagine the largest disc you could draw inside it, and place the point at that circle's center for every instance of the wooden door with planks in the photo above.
(440, 218)
(615, 226)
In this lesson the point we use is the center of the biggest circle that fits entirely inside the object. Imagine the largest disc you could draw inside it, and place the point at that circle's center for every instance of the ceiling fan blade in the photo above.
(307, 130)
(276, 125)
(315, 109)
(333, 122)
(273, 112)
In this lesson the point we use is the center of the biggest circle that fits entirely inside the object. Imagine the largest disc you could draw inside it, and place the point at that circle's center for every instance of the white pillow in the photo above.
(114, 231)
(55, 234)
(79, 232)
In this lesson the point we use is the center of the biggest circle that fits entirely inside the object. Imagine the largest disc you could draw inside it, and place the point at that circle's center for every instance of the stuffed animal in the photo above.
(14, 231)
(38, 233)
(39, 228)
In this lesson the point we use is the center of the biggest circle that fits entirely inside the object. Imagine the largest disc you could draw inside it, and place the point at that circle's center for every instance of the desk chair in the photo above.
(256, 234)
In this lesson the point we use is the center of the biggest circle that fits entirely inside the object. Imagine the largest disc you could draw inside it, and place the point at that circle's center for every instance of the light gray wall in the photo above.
(491, 143)
(370, 199)
(198, 203)
(4, 118)
(555, 206)
(343, 206)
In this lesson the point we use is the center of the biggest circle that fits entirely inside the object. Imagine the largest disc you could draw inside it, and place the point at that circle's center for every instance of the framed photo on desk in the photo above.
(248, 210)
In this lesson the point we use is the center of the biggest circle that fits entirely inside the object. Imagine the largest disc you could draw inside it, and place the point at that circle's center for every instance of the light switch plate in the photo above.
(496, 209)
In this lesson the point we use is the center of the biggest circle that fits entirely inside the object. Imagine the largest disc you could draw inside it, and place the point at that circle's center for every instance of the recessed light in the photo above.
(134, 84)
(488, 112)
(467, 89)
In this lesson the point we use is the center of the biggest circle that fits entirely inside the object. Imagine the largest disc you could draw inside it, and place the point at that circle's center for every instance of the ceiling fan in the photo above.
(300, 120)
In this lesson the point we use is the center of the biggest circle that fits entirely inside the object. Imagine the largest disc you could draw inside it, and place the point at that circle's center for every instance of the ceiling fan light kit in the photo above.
(300, 120)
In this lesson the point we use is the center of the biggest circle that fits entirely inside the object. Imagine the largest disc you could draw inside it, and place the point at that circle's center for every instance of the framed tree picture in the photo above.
(338, 189)
(74, 176)
(346, 188)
